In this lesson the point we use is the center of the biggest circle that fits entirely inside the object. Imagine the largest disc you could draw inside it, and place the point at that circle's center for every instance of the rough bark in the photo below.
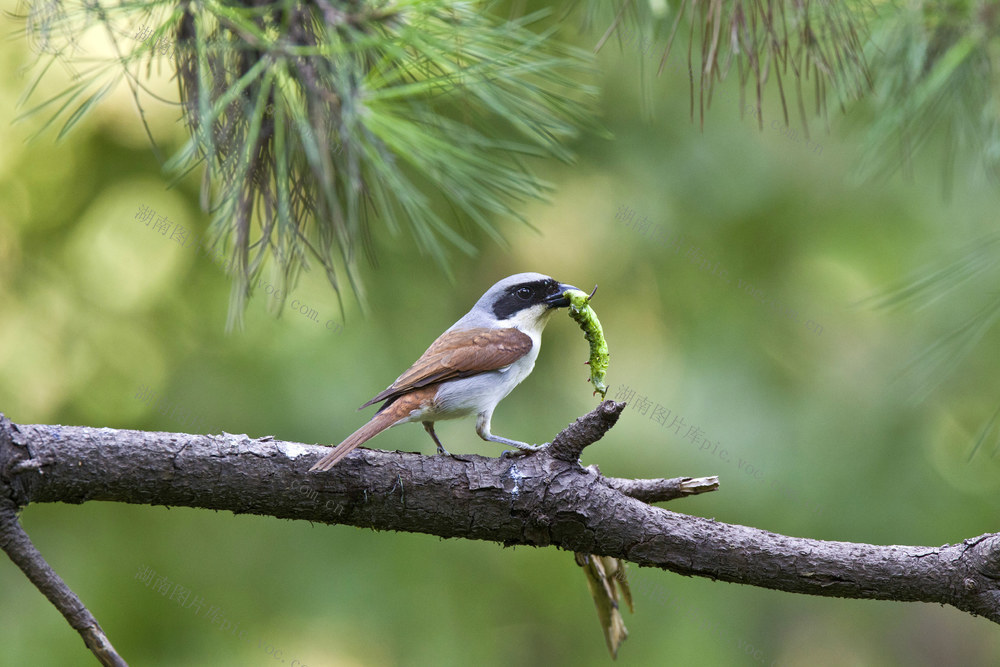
(540, 499)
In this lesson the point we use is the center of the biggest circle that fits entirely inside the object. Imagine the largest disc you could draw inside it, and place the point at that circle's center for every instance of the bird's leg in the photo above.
(483, 429)
(429, 427)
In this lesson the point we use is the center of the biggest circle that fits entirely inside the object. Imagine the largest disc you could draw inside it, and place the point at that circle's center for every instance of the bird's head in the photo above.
(523, 301)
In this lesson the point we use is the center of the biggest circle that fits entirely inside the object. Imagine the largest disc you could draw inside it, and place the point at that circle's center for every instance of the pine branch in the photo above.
(938, 72)
(537, 500)
(319, 123)
(762, 43)
(964, 282)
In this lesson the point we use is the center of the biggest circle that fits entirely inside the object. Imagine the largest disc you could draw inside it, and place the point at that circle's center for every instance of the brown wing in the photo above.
(458, 354)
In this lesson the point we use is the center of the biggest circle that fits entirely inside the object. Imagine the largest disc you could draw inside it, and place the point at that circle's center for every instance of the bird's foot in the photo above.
(523, 449)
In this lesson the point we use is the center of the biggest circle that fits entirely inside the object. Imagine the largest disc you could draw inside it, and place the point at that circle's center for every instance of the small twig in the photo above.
(16, 543)
(660, 490)
(588, 429)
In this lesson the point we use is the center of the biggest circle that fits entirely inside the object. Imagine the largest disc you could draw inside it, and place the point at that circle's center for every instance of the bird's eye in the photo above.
(523, 293)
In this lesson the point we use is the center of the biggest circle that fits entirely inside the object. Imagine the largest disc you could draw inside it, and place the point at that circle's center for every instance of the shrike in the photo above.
(470, 367)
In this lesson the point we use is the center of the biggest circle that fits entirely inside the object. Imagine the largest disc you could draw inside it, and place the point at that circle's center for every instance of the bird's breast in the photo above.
(482, 392)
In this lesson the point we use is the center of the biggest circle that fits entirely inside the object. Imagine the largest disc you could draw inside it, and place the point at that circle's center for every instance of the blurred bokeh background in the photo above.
(736, 267)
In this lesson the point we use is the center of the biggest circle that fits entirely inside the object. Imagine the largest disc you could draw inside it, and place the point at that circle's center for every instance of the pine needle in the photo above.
(313, 121)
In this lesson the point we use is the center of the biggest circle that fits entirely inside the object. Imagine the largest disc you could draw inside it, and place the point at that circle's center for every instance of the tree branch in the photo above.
(538, 499)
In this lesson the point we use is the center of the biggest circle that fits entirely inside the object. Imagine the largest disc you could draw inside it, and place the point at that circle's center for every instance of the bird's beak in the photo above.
(558, 300)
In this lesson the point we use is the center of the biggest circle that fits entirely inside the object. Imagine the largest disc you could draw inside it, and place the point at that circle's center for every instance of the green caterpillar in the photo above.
(585, 316)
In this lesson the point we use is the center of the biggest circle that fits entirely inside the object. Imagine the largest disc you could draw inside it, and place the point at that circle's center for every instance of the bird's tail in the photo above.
(378, 423)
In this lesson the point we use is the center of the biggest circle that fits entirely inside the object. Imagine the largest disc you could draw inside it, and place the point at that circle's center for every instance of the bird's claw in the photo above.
(522, 450)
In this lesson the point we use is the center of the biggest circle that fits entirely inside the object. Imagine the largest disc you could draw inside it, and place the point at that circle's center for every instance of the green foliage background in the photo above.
(849, 442)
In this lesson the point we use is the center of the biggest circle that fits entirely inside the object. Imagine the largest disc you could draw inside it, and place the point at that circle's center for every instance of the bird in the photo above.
(471, 367)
